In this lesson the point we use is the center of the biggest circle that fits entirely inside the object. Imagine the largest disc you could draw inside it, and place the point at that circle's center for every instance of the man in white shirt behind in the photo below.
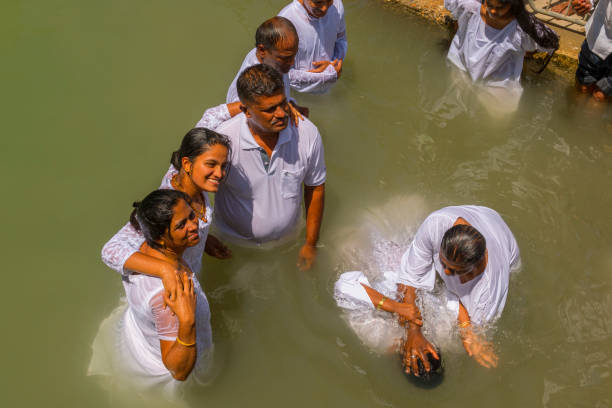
(322, 47)
(276, 43)
(260, 202)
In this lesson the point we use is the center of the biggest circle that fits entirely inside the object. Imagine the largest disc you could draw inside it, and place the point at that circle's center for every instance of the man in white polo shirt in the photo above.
(322, 43)
(260, 202)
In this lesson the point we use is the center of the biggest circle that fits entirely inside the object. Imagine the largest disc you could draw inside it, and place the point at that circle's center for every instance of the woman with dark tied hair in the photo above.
(473, 252)
(197, 168)
(157, 345)
(492, 39)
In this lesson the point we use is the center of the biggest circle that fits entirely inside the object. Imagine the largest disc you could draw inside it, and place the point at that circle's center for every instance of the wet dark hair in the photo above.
(152, 216)
(259, 80)
(463, 245)
(543, 35)
(430, 379)
(196, 142)
(274, 31)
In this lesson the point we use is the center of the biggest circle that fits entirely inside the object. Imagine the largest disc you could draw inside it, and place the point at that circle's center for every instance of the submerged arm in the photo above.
(314, 203)
(475, 345)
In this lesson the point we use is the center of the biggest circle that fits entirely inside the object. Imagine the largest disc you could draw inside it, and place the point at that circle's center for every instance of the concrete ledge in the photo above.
(564, 62)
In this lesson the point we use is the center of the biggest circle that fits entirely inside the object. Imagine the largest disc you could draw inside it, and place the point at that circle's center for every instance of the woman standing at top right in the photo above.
(491, 42)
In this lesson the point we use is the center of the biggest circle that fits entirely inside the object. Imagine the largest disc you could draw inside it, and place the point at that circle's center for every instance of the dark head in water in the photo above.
(431, 378)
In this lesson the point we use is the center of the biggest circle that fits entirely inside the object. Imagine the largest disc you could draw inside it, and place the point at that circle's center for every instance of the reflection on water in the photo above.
(121, 84)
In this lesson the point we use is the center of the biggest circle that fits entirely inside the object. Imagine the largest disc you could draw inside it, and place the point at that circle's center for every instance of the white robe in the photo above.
(490, 56)
(484, 297)
(320, 39)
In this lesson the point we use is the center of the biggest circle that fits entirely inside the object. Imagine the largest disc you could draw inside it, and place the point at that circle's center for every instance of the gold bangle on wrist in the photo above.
(465, 324)
(379, 306)
(182, 343)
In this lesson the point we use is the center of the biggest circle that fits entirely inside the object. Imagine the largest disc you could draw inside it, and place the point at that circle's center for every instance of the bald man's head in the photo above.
(277, 43)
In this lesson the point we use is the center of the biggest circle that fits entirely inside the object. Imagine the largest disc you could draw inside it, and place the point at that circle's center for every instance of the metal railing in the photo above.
(546, 10)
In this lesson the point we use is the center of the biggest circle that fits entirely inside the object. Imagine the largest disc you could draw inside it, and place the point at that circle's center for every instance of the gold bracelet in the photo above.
(465, 324)
(182, 343)
(379, 306)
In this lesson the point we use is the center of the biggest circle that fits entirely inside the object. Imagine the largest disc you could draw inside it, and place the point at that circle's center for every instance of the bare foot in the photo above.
(585, 89)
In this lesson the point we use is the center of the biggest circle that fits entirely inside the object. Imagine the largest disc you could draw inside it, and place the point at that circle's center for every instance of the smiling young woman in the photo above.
(197, 168)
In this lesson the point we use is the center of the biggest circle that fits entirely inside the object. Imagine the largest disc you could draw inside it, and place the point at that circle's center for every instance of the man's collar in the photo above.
(247, 141)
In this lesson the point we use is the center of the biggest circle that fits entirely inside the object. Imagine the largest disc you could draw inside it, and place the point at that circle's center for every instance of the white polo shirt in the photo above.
(255, 205)
(249, 61)
(321, 39)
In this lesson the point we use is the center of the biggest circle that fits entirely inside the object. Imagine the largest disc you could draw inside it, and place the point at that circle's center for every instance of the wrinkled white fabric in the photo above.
(493, 57)
(249, 61)
(128, 347)
(255, 205)
(599, 29)
(321, 39)
(128, 240)
(484, 297)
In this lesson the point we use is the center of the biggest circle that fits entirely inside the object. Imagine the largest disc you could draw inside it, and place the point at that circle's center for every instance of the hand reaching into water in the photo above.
(416, 347)
(217, 249)
(183, 303)
(479, 348)
(306, 257)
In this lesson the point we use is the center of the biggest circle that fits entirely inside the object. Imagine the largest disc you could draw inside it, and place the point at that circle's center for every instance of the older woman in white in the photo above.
(322, 43)
(473, 251)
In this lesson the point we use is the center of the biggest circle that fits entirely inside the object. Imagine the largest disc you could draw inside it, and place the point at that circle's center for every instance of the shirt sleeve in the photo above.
(304, 81)
(341, 46)
(316, 171)
(121, 246)
(166, 323)
(417, 265)
(213, 117)
(459, 8)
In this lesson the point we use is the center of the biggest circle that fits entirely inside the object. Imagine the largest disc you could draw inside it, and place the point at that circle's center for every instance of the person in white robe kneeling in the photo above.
(473, 251)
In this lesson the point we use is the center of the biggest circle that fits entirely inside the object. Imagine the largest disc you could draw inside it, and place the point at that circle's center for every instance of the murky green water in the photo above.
(97, 95)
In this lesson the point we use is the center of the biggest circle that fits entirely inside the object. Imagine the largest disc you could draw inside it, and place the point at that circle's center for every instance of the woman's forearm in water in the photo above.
(407, 311)
(178, 358)
(376, 297)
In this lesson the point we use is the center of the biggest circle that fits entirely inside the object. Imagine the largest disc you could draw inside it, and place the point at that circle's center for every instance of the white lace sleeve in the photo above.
(213, 117)
(304, 81)
(121, 246)
(166, 323)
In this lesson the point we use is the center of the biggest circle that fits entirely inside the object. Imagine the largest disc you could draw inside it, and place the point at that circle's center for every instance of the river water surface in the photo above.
(97, 94)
